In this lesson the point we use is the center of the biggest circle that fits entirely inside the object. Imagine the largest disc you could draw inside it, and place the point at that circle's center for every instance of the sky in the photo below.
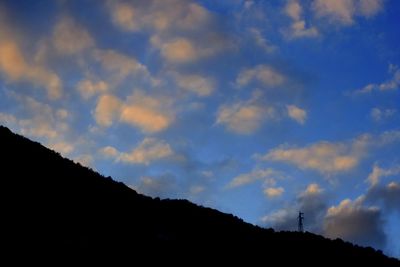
(261, 109)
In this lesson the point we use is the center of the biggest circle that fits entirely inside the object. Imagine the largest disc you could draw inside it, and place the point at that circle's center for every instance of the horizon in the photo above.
(256, 109)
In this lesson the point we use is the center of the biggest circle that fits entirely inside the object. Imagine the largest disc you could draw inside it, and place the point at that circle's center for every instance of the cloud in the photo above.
(262, 41)
(107, 110)
(312, 202)
(369, 8)
(149, 114)
(298, 28)
(42, 120)
(324, 157)
(181, 50)
(109, 152)
(243, 117)
(157, 186)
(14, 65)
(88, 88)
(355, 222)
(84, 160)
(388, 195)
(379, 115)
(272, 192)
(183, 31)
(311, 190)
(344, 11)
(158, 16)
(149, 150)
(62, 147)
(268, 175)
(263, 74)
(201, 86)
(70, 38)
(119, 65)
(331, 158)
(392, 84)
(377, 173)
(296, 113)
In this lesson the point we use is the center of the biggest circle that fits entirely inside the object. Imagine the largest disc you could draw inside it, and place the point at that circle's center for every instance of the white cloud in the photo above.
(377, 173)
(324, 157)
(157, 186)
(261, 41)
(253, 176)
(84, 159)
(201, 86)
(148, 113)
(344, 11)
(242, 117)
(369, 8)
(159, 16)
(263, 74)
(182, 30)
(277, 217)
(89, 88)
(196, 189)
(272, 192)
(297, 114)
(109, 152)
(311, 201)
(392, 84)
(107, 110)
(298, 28)
(330, 157)
(14, 65)
(355, 222)
(311, 190)
(7, 119)
(70, 38)
(379, 115)
(62, 147)
(120, 65)
(149, 150)
(182, 50)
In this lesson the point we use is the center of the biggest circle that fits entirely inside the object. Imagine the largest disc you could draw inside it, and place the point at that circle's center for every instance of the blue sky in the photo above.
(256, 108)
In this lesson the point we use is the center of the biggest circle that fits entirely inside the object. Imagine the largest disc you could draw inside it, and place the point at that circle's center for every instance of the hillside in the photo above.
(53, 207)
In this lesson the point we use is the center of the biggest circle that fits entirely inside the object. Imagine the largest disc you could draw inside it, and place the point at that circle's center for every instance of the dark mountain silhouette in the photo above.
(56, 210)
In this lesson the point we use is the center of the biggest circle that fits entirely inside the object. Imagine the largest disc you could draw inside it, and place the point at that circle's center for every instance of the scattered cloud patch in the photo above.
(71, 38)
(273, 192)
(392, 84)
(324, 157)
(148, 113)
(149, 150)
(243, 117)
(298, 28)
(269, 175)
(261, 41)
(263, 74)
(355, 222)
(344, 12)
(378, 173)
(297, 114)
(379, 115)
(88, 88)
(16, 68)
(199, 85)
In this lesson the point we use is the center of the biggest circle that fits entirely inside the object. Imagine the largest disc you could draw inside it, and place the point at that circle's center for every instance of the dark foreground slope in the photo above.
(53, 208)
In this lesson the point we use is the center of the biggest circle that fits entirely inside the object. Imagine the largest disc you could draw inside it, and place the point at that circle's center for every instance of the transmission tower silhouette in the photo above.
(300, 220)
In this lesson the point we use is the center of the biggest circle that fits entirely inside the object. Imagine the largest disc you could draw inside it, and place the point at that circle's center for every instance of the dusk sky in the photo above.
(261, 109)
